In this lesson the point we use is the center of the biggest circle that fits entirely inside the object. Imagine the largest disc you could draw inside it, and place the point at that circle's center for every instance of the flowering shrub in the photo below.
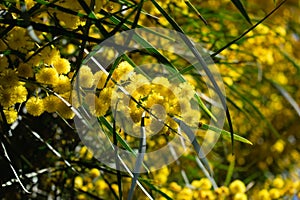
(45, 85)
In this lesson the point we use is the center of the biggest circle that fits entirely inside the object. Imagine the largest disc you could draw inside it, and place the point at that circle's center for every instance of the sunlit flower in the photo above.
(122, 72)
(63, 84)
(264, 195)
(94, 172)
(62, 65)
(50, 103)
(274, 193)
(11, 115)
(65, 111)
(203, 183)
(237, 186)
(35, 106)
(47, 76)
(240, 196)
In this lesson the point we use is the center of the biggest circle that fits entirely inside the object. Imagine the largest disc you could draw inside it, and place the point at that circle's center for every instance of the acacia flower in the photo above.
(61, 65)
(25, 70)
(86, 77)
(11, 115)
(47, 75)
(62, 85)
(50, 103)
(237, 186)
(35, 106)
(9, 78)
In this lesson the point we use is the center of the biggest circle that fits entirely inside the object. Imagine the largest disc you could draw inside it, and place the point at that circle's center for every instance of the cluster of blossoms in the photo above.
(34, 77)
(161, 99)
(279, 188)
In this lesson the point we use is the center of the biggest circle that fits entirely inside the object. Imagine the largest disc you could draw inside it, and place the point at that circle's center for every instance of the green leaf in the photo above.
(153, 187)
(225, 133)
(238, 4)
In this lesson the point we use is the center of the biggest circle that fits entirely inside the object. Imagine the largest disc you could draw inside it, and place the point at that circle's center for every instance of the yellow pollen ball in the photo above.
(34, 106)
(62, 65)
(47, 76)
(237, 186)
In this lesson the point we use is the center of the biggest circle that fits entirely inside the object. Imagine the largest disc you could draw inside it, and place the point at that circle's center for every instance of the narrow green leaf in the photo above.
(224, 133)
(103, 120)
(191, 6)
(248, 30)
(238, 4)
(153, 187)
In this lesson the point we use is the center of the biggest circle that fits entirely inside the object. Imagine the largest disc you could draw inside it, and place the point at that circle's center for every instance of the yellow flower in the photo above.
(21, 93)
(11, 115)
(237, 186)
(191, 117)
(47, 76)
(185, 91)
(101, 186)
(19, 40)
(203, 183)
(65, 111)
(96, 106)
(162, 175)
(78, 182)
(25, 70)
(84, 152)
(35, 106)
(3, 63)
(278, 182)
(7, 97)
(105, 95)
(278, 146)
(9, 78)
(175, 187)
(86, 77)
(62, 85)
(207, 195)
(240, 196)
(167, 192)
(94, 173)
(50, 103)
(274, 193)
(47, 55)
(264, 195)
(185, 194)
(61, 65)
(11, 96)
(100, 79)
(122, 72)
(222, 191)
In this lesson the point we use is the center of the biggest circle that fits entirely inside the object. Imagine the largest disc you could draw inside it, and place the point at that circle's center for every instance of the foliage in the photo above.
(255, 46)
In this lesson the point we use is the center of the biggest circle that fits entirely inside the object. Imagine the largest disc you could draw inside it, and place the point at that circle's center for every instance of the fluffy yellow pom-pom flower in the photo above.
(237, 186)
(62, 65)
(47, 76)
(11, 115)
(35, 106)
